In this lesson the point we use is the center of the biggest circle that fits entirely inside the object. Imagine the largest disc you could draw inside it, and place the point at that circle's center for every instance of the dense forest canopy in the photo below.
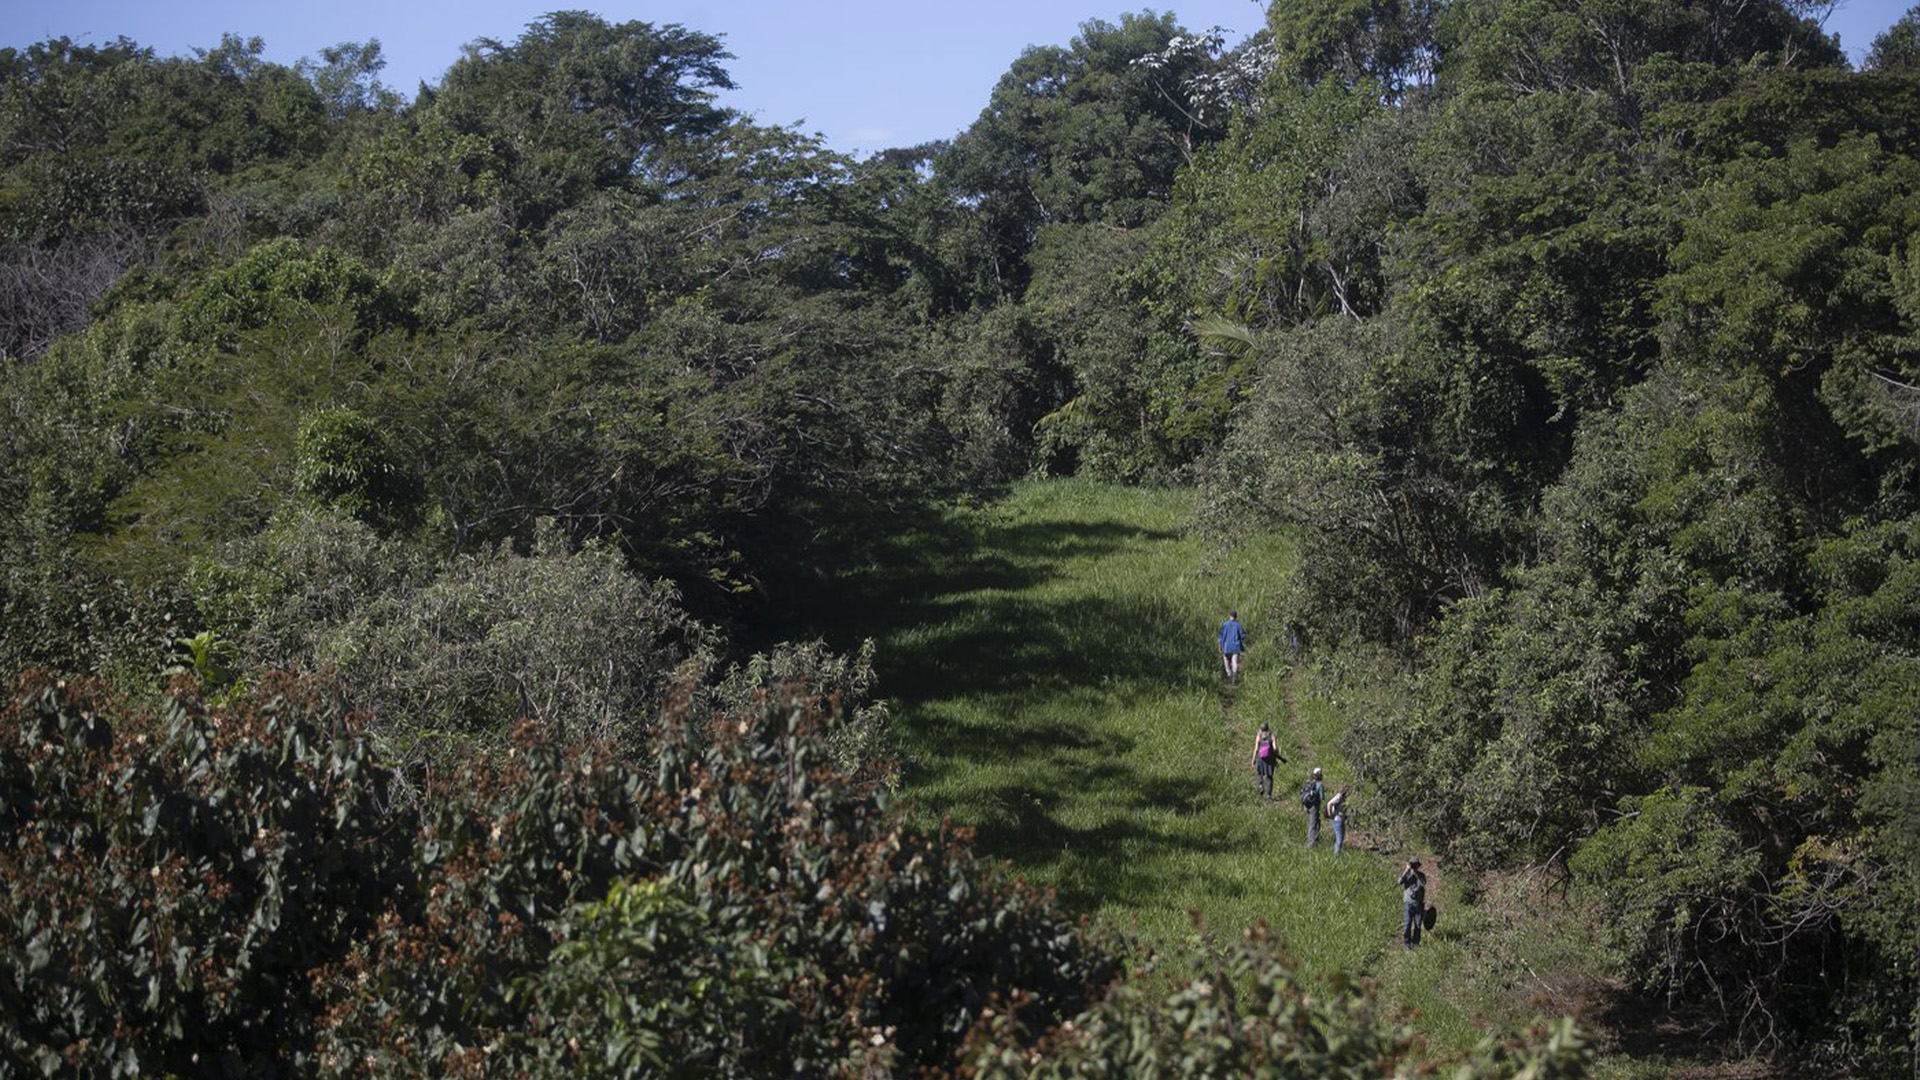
(1576, 341)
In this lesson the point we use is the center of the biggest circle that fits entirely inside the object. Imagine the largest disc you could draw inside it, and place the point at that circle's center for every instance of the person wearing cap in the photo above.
(1233, 641)
(1312, 797)
(1413, 890)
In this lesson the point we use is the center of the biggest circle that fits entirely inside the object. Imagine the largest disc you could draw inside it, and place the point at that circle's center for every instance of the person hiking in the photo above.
(1265, 756)
(1413, 886)
(1233, 640)
(1337, 813)
(1311, 797)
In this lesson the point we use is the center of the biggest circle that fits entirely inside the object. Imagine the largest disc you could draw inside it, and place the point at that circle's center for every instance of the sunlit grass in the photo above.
(1051, 663)
(1051, 660)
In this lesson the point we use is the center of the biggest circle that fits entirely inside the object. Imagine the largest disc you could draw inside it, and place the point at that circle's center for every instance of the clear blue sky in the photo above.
(865, 74)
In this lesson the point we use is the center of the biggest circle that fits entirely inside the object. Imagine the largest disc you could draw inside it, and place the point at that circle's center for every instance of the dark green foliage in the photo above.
(98, 136)
(1074, 158)
(1778, 761)
(231, 890)
(1535, 697)
(1386, 41)
(1583, 412)
(1000, 384)
(1570, 46)
(562, 284)
(1575, 340)
(862, 742)
(347, 463)
(347, 78)
(444, 657)
(1075, 135)
(175, 877)
(577, 103)
(1085, 303)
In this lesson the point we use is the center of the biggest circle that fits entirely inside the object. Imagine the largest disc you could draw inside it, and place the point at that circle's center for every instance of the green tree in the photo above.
(1387, 42)
(347, 78)
(1075, 135)
(1897, 50)
(577, 103)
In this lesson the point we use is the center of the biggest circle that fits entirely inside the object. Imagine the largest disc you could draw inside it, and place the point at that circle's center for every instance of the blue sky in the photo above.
(866, 74)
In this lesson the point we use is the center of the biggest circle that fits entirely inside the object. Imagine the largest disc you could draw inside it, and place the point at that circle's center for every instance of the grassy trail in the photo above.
(1052, 664)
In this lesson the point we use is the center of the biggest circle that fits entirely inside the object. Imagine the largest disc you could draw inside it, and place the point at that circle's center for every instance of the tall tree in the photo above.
(577, 103)
(1084, 134)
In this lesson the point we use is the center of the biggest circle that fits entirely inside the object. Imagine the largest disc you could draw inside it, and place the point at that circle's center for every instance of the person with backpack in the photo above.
(1265, 756)
(1413, 890)
(1233, 641)
(1337, 813)
(1311, 797)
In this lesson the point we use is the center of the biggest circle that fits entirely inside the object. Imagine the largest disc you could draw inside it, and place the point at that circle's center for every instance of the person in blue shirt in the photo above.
(1233, 641)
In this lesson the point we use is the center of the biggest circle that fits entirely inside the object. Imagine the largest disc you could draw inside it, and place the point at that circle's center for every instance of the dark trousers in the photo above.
(1410, 928)
(1263, 776)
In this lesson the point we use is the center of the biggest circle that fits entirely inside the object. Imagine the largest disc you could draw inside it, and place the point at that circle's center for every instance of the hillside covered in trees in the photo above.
(409, 512)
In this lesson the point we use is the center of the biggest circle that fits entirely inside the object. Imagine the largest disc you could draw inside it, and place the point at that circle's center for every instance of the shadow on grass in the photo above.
(983, 646)
(975, 654)
(1115, 859)
(963, 586)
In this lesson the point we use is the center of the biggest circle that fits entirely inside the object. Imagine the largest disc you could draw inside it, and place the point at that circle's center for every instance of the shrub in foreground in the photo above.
(230, 889)
(172, 879)
(1246, 1013)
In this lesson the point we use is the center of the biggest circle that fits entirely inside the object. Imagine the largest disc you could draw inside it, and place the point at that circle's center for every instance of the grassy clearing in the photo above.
(1051, 660)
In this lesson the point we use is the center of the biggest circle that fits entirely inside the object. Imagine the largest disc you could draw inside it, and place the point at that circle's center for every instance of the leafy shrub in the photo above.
(443, 659)
(346, 462)
(1533, 698)
(281, 594)
(175, 876)
(862, 742)
(1247, 1013)
(230, 890)
(1776, 845)
(278, 277)
(997, 382)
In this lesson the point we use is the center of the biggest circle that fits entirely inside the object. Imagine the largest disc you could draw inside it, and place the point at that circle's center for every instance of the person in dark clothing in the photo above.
(1265, 755)
(1312, 797)
(1413, 890)
(1233, 641)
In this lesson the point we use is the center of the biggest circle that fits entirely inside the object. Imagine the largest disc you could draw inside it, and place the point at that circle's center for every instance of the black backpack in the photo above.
(1307, 799)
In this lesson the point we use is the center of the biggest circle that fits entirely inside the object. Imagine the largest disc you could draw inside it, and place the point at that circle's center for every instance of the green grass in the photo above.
(1051, 661)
